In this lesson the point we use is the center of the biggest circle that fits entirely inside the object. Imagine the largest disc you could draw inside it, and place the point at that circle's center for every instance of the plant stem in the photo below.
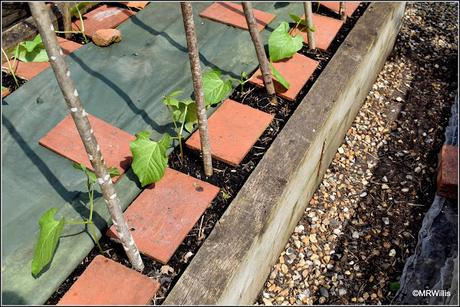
(10, 68)
(192, 45)
(261, 56)
(180, 134)
(342, 11)
(40, 12)
(82, 24)
(310, 25)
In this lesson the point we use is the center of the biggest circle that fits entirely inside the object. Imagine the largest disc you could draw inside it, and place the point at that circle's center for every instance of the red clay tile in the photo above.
(296, 70)
(136, 4)
(233, 129)
(232, 15)
(165, 212)
(447, 182)
(326, 30)
(114, 143)
(106, 282)
(5, 92)
(350, 6)
(103, 17)
(28, 70)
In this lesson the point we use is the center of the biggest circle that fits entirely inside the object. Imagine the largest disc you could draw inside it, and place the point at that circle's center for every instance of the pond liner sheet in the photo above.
(123, 85)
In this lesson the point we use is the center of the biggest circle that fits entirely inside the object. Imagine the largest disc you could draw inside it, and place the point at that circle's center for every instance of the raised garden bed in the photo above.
(259, 201)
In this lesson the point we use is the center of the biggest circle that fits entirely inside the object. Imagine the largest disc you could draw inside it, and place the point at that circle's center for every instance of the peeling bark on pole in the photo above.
(310, 25)
(193, 53)
(260, 51)
(342, 11)
(40, 12)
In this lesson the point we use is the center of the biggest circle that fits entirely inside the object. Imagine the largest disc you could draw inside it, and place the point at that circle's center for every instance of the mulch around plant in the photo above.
(229, 179)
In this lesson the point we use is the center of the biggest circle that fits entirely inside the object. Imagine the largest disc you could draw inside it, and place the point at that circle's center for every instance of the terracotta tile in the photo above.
(296, 70)
(5, 92)
(350, 6)
(165, 212)
(447, 182)
(103, 17)
(233, 129)
(232, 15)
(28, 70)
(136, 4)
(326, 30)
(68, 46)
(106, 282)
(114, 143)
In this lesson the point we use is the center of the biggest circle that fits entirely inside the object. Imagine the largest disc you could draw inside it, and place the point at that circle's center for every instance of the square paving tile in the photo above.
(233, 129)
(136, 4)
(350, 6)
(296, 70)
(103, 17)
(165, 212)
(114, 143)
(326, 30)
(28, 70)
(106, 282)
(232, 15)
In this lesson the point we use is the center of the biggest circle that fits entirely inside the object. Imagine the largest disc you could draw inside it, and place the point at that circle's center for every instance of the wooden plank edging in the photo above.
(234, 262)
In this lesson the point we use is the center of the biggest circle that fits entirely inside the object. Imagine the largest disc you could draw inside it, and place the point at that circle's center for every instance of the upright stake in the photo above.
(193, 54)
(41, 15)
(67, 19)
(342, 11)
(260, 51)
(310, 26)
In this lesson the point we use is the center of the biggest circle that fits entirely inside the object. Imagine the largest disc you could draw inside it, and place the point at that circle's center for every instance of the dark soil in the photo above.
(229, 179)
(8, 81)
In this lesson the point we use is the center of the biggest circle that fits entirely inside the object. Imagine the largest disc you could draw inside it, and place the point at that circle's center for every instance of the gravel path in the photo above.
(361, 224)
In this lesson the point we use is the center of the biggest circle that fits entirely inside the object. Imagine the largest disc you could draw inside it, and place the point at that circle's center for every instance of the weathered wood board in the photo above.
(233, 263)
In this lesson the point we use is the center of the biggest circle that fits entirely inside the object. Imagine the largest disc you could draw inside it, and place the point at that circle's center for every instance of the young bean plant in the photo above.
(51, 229)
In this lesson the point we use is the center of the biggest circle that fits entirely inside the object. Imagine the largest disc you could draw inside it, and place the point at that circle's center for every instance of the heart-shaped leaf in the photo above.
(50, 231)
(281, 45)
(279, 77)
(149, 157)
(214, 88)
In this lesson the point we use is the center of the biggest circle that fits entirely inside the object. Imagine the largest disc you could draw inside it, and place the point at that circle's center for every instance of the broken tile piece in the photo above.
(232, 14)
(106, 282)
(233, 129)
(296, 70)
(165, 212)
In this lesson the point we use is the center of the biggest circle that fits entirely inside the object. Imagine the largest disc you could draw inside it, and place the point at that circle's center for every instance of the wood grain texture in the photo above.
(233, 263)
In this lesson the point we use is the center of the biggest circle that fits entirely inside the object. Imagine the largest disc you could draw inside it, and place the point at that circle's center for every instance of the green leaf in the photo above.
(298, 19)
(394, 286)
(89, 174)
(149, 158)
(171, 101)
(215, 89)
(191, 117)
(144, 134)
(281, 45)
(50, 231)
(31, 51)
(279, 77)
(113, 171)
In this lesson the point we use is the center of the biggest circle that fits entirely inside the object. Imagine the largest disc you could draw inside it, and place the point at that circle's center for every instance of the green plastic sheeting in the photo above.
(122, 84)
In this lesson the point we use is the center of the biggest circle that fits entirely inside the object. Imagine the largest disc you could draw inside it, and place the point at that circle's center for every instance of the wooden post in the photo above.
(343, 11)
(40, 12)
(309, 21)
(67, 19)
(260, 51)
(193, 53)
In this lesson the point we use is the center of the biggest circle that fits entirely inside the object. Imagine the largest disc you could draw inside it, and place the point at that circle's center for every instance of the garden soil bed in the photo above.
(362, 223)
(229, 179)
